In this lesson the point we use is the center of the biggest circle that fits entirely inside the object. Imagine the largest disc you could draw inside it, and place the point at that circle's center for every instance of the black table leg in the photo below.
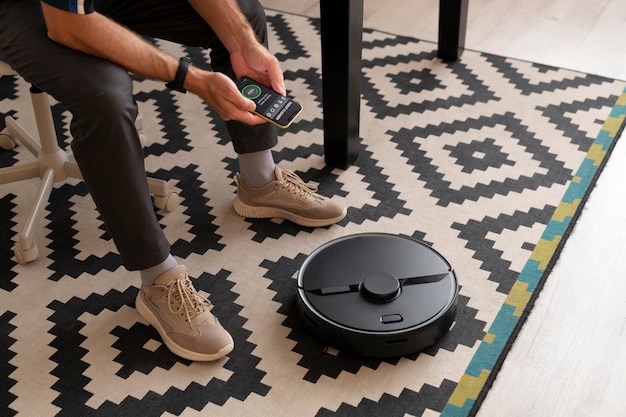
(452, 27)
(342, 40)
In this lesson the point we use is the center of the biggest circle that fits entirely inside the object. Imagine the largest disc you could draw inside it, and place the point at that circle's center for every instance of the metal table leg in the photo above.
(452, 27)
(342, 37)
(342, 41)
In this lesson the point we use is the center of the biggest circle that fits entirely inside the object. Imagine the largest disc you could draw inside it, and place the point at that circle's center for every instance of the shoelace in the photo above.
(294, 184)
(182, 292)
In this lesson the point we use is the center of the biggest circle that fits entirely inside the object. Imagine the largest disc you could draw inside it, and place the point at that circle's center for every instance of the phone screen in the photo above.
(270, 105)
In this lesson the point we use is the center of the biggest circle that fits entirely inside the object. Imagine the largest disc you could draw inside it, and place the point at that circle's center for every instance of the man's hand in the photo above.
(256, 62)
(247, 56)
(221, 93)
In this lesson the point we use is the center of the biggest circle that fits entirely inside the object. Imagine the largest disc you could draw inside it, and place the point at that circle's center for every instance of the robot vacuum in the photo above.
(377, 295)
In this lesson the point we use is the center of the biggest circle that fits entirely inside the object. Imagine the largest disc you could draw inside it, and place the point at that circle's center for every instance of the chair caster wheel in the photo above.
(25, 256)
(168, 202)
(6, 142)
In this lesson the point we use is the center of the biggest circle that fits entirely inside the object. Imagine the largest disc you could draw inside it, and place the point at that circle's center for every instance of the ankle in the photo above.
(149, 275)
(258, 168)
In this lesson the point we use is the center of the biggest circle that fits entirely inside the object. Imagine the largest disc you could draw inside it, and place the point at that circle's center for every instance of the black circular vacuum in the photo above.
(377, 295)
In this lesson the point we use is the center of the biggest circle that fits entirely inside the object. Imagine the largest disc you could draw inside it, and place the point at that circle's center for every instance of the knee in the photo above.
(108, 96)
(106, 102)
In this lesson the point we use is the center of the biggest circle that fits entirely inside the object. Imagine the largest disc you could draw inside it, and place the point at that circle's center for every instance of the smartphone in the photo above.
(270, 105)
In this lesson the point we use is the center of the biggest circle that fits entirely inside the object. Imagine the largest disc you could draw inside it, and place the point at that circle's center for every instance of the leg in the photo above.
(342, 27)
(106, 144)
(452, 27)
(107, 148)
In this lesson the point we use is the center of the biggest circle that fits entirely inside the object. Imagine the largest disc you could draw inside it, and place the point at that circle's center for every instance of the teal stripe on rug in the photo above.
(474, 383)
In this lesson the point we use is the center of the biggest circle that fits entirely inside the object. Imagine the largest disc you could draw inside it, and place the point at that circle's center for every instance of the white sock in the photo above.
(149, 275)
(257, 167)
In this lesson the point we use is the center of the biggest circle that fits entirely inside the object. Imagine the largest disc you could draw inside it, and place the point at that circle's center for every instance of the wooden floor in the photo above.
(570, 358)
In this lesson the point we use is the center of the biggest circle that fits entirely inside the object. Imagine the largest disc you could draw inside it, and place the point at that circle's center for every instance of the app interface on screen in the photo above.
(272, 105)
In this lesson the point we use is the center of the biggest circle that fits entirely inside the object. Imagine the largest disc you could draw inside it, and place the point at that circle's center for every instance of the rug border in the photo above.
(482, 370)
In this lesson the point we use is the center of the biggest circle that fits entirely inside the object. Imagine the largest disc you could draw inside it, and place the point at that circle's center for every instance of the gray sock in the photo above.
(257, 167)
(149, 275)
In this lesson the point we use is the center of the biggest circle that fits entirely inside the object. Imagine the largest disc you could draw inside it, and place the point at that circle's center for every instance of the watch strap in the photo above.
(181, 73)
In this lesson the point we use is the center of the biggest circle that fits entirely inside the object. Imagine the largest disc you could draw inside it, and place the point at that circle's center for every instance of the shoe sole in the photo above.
(149, 316)
(261, 212)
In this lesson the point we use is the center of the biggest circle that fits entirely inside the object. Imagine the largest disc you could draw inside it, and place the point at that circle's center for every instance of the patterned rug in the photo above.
(488, 159)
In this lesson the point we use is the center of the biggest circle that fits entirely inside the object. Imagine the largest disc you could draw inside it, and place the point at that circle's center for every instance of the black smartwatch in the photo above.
(181, 73)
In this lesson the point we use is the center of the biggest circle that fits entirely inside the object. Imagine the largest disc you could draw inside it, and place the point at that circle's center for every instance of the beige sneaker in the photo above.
(183, 318)
(288, 197)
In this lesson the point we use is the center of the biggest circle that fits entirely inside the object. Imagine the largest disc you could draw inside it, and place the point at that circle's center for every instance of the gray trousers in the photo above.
(99, 95)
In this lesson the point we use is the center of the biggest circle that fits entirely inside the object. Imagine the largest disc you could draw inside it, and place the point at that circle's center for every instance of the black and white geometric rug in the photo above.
(488, 159)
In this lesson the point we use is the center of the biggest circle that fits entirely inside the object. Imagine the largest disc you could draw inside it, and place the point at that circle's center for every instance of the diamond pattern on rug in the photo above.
(470, 144)
(470, 157)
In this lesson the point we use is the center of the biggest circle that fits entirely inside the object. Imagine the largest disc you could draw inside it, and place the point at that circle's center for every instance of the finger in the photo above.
(277, 79)
(257, 120)
(240, 103)
(252, 119)
(249, 105)
(247, 117)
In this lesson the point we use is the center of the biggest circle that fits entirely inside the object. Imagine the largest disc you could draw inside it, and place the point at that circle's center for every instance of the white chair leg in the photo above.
(18, 134)
(25, 249)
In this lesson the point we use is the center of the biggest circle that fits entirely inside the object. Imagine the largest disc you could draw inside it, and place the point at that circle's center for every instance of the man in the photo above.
(81, 52)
